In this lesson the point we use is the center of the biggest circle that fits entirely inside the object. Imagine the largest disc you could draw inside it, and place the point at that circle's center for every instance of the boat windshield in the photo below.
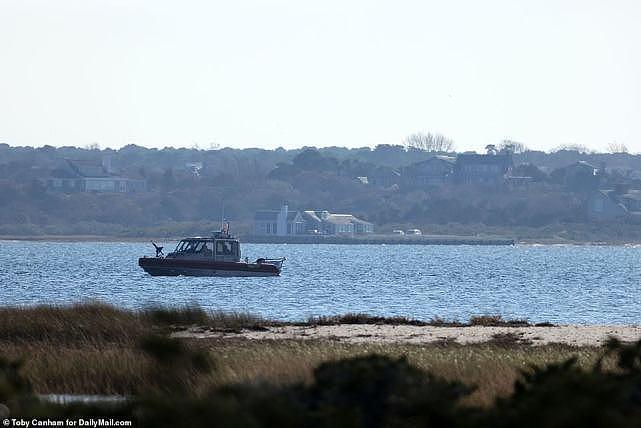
(193, 246)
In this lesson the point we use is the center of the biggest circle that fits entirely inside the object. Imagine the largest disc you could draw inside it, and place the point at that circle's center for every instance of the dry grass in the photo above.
(358, 318)
(477, 320)
(183, 316)
(496, 321)
(94, 349)
(81, 323)
(492, 368)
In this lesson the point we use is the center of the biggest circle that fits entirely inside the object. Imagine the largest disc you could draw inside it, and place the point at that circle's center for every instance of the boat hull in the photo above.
(157, 266)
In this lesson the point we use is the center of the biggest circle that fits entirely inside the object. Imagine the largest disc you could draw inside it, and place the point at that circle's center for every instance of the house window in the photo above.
(274, 229)
(598, 205)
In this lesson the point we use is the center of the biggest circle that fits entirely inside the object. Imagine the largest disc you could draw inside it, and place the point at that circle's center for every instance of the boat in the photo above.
(218, 255)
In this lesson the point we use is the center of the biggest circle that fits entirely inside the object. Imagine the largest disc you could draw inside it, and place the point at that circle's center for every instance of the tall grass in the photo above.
(96, 349)
(185, 316)
(79, 323)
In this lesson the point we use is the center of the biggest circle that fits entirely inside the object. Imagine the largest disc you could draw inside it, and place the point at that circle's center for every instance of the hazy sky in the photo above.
(254, 73)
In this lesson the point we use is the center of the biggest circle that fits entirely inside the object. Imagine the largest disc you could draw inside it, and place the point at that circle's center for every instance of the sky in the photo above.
(258, 73)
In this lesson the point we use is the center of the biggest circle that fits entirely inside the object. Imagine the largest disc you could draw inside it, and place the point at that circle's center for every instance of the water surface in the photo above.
(562, 284)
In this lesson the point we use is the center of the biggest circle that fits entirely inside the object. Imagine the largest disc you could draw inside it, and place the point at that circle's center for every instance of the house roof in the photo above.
(446, 159)
(315, 216)
(436, 165)
(345, 219)
(312, 215)
(634, 195)
(291, 215)
(272, 215)
(88, 168)
(475, 158)
(581, 165)
(266, 215)
(339, 219)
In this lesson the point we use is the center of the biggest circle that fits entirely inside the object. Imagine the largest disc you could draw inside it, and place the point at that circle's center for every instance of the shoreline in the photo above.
(570, 335)
(430, 240)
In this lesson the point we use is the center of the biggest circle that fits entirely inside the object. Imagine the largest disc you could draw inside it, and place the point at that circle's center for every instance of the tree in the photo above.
(513, 146)
(529, 170)
(429, 142)
(573, 148)
(615, 147)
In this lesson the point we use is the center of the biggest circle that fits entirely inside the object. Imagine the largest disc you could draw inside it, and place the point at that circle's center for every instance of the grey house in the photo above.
(278, 222)
(608, 205)
(490, 169)
(91, 176)
(434, 171)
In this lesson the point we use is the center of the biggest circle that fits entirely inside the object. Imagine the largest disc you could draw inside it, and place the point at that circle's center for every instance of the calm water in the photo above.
(566, 284)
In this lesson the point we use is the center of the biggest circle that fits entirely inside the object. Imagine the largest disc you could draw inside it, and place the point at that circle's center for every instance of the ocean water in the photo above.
(560, 284)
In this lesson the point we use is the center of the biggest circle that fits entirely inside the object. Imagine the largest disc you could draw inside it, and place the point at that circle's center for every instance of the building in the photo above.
(278, 222)
(578, 177)
(91, 176)
(608, 205)
(435, 171)
(326, 223)
(385, 177)
(489, 169)
(284, 222)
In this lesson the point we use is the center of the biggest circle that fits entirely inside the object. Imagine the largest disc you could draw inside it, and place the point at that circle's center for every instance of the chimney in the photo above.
(106, 164)
(281, 225)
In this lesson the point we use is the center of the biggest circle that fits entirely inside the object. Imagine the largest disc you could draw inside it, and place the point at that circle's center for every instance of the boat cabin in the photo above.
(220, 248)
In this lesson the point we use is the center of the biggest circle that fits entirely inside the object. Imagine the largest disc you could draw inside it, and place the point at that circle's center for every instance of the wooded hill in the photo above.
(186, 190)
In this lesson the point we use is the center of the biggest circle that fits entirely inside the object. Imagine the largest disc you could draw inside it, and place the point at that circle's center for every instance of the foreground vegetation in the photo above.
(97, 349)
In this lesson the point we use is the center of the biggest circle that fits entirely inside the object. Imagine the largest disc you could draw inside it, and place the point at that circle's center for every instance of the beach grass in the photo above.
(97, 349)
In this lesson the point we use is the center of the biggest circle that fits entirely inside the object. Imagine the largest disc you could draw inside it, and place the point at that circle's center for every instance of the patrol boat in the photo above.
(218, 255)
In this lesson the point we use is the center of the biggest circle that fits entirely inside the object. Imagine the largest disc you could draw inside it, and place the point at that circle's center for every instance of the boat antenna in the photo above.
(222, 217)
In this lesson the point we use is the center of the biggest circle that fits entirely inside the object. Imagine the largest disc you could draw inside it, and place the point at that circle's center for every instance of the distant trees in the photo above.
(513, 146)
(252, 179)
(529, 170)
(490, 149)
(573, 148)
(429, 142)
(615, 147)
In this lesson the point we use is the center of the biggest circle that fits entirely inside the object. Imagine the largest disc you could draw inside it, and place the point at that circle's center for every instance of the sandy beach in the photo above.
(574, 335)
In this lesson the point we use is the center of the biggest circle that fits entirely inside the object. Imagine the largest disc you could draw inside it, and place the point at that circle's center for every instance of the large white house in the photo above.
(284, 222)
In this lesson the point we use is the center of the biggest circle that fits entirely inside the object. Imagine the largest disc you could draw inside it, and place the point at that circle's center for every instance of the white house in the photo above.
(285, 222)
(278, 222)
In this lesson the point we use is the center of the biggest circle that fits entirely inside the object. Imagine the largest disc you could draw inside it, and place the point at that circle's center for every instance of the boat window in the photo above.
(206, 248)
(225, 248)
(181, 246)
(187, 246)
